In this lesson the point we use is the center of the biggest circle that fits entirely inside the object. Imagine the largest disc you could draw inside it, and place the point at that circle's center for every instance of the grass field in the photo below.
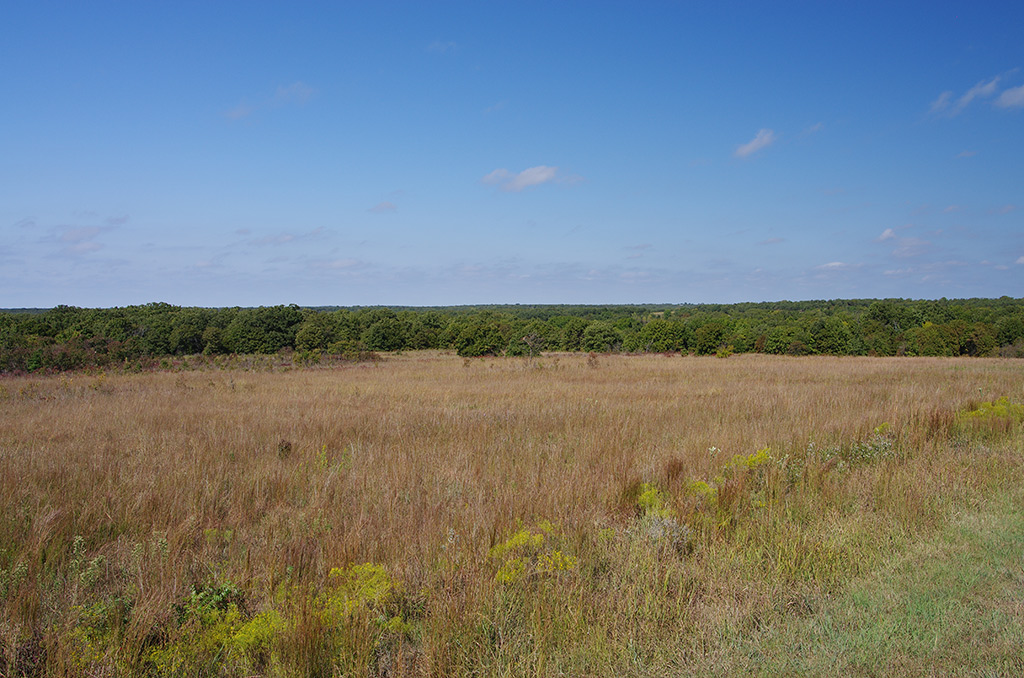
(569, 515)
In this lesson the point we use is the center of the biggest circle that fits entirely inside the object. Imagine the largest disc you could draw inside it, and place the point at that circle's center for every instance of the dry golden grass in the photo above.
(262, 482)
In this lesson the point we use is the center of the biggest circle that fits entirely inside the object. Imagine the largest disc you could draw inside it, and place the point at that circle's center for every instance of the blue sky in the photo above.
(221, 154)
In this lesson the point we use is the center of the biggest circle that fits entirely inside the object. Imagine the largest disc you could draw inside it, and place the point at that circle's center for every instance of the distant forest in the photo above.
(68, 337)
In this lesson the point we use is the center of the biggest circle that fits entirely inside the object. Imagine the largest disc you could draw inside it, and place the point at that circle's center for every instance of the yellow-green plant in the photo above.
(704, 491)
(749, 462)
(528, 553)
(991, 418)
(654, 502)
(1001, 408)
(363, 585)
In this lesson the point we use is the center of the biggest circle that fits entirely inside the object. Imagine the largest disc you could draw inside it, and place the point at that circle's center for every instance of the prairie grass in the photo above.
(370, 519)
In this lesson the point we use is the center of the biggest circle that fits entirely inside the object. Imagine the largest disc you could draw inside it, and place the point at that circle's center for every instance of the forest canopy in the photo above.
(67, 337)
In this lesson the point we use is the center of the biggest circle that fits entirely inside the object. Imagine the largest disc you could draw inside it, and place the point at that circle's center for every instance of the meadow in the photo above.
(601, 515)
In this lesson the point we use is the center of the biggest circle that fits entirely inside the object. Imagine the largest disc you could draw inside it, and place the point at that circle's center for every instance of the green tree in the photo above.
(660, 336)
(386, 334)
(571, 335)
(602, 337)
(262, 330)
(831, 335)
(932, 340)
(708, 337)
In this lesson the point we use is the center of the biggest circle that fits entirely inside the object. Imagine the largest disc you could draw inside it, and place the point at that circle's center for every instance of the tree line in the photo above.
(68, 337)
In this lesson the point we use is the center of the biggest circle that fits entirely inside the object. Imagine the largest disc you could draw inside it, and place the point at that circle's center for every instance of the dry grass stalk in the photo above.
(144, 488)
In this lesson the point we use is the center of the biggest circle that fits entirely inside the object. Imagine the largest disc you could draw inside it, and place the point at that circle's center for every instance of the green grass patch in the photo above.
(951, 605)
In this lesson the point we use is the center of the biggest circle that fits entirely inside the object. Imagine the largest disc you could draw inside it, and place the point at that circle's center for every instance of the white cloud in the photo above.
(383, 207)
(1006, 209)
(285, 238)
(496, 177)
(80, 239)
(833, 266)
(533, 176)
(944, 102)
(982, 89)
(278, 239)
(638, 250)
(941, 103)
(1020, 261)
(297, 92)
(887, 234)
(966, 154)
(763, 139)
(1011, 98)
(952, 208)
(79, 234)
(910, 247)
(336, 264)
(242, 110)
(441, 46)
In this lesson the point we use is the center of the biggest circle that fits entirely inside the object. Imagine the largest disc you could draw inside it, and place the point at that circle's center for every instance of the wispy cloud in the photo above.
(907, 248)
(286, 238)
(834, 266)
(927, 271)
(763, 139)
(79, 233)
(637, 250)
(383, 207)
(772, 241)
(941, 103)
(887, 234)
(982, 89)
(337, 264)
(297, 93)
(79, 239)
(1006, 209)
(242, 110)
(442, 46)
(533, 176)
(1020, 261)
(952, 208)
(966, 154)
(946, 105)
(1011, 98)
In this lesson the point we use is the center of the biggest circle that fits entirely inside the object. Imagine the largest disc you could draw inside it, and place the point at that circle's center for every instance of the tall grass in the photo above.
(344, 521)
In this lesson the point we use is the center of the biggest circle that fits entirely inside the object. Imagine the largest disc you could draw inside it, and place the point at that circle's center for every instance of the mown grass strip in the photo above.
(950, 606)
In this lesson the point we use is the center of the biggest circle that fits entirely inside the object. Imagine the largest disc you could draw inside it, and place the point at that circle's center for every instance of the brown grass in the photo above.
(264, 481)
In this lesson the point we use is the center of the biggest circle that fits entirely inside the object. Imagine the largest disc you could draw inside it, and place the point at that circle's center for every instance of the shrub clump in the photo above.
(1001, 408)
(1000, 416)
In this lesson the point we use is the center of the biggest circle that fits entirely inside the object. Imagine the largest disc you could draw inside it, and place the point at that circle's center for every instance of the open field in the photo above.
(569, 515)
